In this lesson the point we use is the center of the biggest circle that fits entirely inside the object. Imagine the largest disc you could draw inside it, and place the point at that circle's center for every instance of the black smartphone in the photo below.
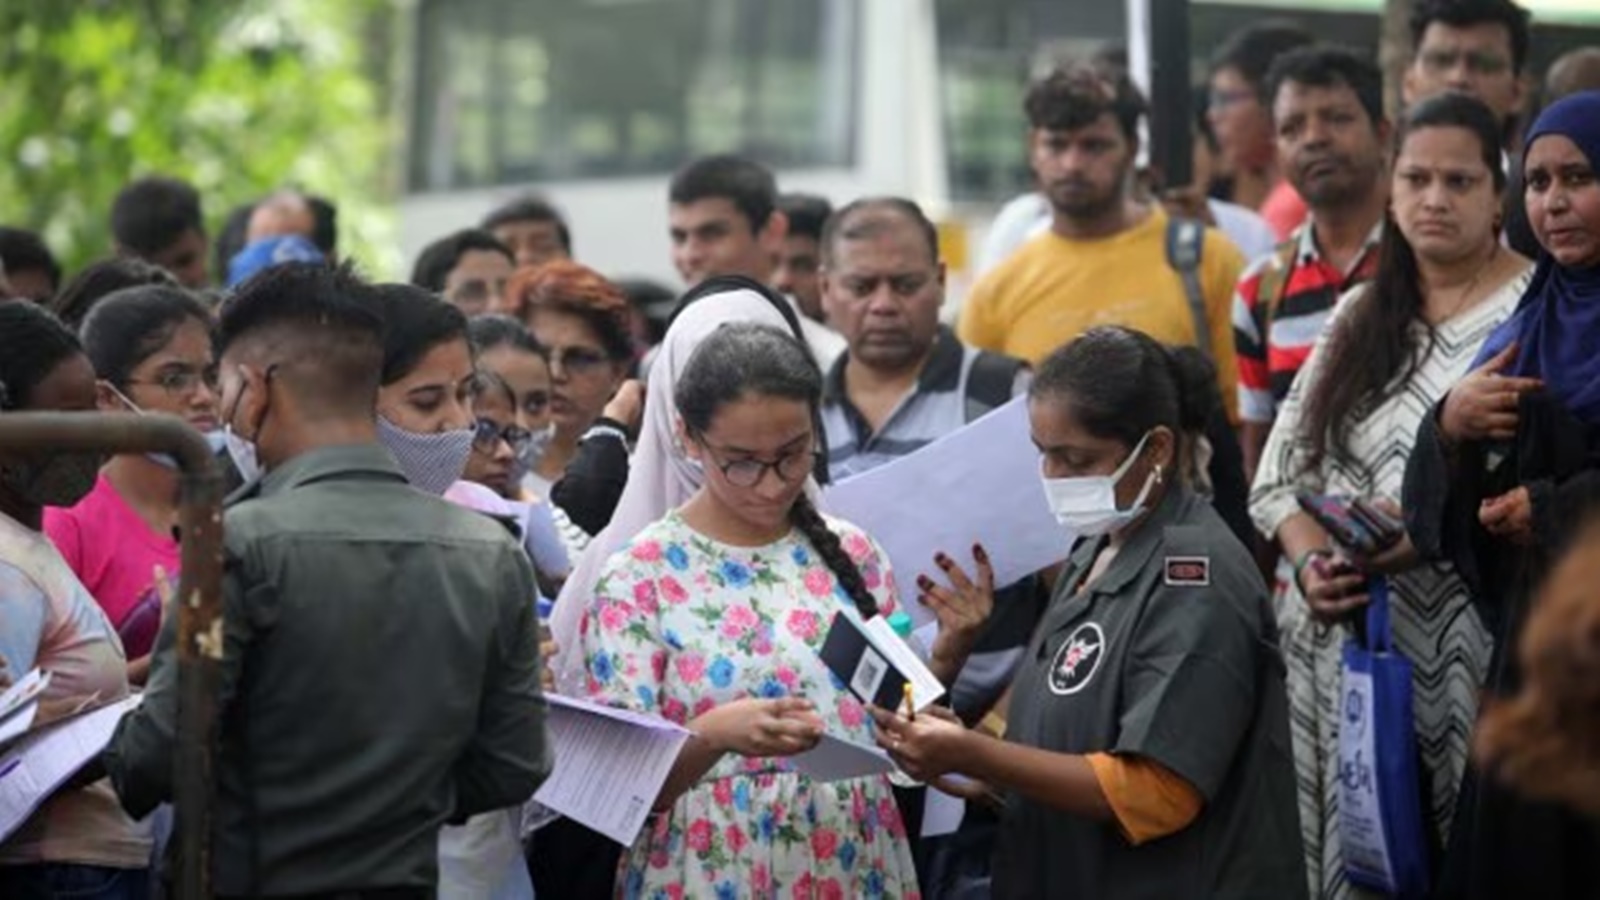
(1364, 532)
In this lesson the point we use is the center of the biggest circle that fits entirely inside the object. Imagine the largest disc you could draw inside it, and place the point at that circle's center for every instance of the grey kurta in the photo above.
(1171, 655)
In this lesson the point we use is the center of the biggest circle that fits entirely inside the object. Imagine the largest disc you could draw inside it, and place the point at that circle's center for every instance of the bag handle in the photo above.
(1379, 638)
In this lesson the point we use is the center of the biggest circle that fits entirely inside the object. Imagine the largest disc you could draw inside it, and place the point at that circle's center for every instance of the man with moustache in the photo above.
(1105, 259)
(1327, 111)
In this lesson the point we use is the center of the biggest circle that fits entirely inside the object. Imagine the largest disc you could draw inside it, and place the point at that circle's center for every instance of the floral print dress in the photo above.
(681, 623)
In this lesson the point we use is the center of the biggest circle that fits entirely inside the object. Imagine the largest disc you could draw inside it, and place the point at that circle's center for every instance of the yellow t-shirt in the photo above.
(1054, 289)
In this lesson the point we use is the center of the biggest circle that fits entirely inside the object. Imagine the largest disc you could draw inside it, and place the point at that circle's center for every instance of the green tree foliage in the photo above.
(237, 96)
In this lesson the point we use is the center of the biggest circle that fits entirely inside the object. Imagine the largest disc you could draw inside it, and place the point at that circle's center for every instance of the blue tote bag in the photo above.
(1380, 810)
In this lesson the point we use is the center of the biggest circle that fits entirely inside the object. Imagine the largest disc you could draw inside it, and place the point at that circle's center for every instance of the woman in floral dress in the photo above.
(713, 617)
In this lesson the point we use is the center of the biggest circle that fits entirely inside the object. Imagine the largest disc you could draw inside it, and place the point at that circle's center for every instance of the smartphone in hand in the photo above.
(1353, 523)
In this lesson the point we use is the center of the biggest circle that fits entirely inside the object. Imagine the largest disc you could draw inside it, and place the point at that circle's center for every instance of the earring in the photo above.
(1159, 475)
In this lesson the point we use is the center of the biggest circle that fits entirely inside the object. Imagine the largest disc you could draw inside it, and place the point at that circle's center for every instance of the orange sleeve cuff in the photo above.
(1148, 800)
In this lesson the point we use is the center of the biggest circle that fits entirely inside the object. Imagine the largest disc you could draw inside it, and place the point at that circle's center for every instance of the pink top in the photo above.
(115, 555)
(1284, 210)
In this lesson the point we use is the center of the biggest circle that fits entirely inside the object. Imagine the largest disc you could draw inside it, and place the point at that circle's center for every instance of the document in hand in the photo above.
(41, 763)
(609, 765)
(836, 759)
(978, 485)
(875, 664)
(20, 704)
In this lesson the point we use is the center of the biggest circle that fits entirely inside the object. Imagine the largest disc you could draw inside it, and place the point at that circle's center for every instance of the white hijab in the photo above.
(660, 477)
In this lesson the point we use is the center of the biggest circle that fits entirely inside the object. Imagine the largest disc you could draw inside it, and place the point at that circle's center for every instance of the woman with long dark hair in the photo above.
(1502, 478)
(714, 616)
(1394, 347)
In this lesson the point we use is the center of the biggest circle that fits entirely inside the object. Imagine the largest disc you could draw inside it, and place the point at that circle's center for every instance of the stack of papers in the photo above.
(610, 765)
(42, 762)
(19, 705)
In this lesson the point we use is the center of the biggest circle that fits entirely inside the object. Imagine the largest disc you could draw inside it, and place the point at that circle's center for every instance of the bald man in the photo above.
(1576, 71)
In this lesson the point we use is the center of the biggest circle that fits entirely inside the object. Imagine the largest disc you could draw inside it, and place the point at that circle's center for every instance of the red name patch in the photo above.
(1188, 571)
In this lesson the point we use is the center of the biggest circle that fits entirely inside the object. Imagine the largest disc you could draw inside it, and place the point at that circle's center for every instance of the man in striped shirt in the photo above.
(1328, 114)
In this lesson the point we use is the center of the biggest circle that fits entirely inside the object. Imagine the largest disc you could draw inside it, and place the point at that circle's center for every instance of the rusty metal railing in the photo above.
(199, 597)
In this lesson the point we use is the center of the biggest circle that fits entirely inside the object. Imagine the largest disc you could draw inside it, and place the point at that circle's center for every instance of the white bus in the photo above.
(593, 103)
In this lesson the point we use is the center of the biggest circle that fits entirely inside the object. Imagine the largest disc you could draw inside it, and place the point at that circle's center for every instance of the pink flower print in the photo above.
(872, 576)
(658, 666)
(722, 792)
(762, 645)
(824, 842)
(857, 546)
(803, 624)
(858, 807)
(761, 878)
(644, 594)
(829, 889)
(850, 712)
(674, 892)
(673, 591)
(647, 551)
(702, 581)
(738, 620)
(614, 616)
(734, 838)
(673, 710)
(819, 582)
(659, 859)
(699, 836)
(802, 887)
(703, 706)
(889, 817)
(788, 677)
(691, 666)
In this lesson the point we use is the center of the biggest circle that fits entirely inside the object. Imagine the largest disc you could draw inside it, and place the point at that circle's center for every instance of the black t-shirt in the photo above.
(1172, 655)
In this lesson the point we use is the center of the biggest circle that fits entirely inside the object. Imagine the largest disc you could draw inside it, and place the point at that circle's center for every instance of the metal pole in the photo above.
(1171, 118)
(199, 596)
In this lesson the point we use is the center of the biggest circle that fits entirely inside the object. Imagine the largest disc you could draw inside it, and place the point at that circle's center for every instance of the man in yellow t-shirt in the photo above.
(1105, 259)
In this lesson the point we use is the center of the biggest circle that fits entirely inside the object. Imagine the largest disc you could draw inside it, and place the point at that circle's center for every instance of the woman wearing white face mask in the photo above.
(425, 419)
(1146, 744)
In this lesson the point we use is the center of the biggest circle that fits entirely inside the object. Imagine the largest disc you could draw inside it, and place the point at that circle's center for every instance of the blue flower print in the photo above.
(721, 672)
(847, 855)
(771, 689)
(741, 796)
(647, 697)
(601, 668)
(874, 883)
(726, 891)
(767, 824)
(677, 557)
(735, 573)
(672, 639)
(801, 557)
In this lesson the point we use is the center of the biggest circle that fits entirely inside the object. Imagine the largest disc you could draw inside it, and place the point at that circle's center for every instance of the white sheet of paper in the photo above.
(609, 765)
(978, 485)
(925, 686)
(836, 759)
(23, 692)
(34, 769)
(942, 813)
(18, 722)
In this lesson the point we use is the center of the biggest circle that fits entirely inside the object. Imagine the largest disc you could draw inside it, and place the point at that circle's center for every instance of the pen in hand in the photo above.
(911, 707)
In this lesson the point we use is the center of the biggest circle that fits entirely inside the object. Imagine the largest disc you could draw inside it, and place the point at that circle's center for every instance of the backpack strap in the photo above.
(990, 382)
(1185, 242)
(1274, 284)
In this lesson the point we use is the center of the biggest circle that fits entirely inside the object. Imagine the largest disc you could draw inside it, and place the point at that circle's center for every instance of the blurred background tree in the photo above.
(239, 97)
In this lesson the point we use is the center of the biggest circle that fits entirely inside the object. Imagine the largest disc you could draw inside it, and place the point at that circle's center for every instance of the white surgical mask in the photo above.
(1088, 504)
(531, 451)
(166, 460)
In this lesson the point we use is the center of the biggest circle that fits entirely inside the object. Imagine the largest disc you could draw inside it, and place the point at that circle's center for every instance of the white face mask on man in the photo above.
(1088, 504)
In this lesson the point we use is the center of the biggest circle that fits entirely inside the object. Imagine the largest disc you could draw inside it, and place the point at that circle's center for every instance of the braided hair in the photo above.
(740, 360)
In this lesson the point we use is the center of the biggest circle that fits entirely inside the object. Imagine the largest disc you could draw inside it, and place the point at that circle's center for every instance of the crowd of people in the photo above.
(515, 476)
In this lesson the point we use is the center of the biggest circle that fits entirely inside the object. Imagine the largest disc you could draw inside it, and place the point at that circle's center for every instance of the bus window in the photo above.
(508, 91)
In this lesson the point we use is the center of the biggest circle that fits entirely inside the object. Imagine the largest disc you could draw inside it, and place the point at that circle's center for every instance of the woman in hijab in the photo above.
(1503, 473)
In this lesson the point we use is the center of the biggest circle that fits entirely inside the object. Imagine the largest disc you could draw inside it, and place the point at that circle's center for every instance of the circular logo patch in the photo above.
(1078, 659)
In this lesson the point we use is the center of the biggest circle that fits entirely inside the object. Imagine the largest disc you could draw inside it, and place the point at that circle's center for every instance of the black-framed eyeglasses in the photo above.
(791, 468)
(577, 360)
(486, 434)
(535, 402)
(180, 381)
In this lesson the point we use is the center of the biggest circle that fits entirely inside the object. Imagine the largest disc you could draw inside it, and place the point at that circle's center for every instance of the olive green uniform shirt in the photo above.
(380, 677)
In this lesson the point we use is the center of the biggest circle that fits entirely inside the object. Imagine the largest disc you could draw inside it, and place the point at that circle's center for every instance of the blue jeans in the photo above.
(69, 881)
